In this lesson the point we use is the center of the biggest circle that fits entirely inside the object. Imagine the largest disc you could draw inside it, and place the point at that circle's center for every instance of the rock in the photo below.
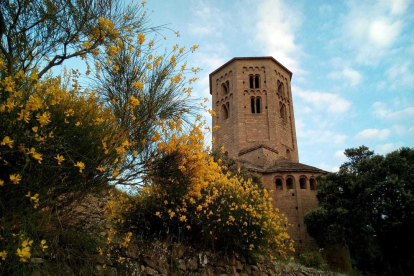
(192, 263)
(107, 271)
(222, 261)
(220, 270)
(254, 268)
(149, 271)
(239, 266)
(181, 265)
(158, 265)
(101, 259)
(133, 251)
(203, 261)
(177, 251)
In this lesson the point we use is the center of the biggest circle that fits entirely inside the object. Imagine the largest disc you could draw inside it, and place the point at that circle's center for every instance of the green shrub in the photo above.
(313, 259)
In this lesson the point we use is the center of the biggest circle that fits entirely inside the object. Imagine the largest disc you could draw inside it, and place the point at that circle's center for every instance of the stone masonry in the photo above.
(252, 100)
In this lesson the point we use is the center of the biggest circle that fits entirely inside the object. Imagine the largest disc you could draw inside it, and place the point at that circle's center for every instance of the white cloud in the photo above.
(340, 155)
(312, 136)
(371, 27)
(328, 168)
(373, 134)
(352, 76)
(383, 33)
(324, 9)
(397, 7)
(381, 110)
(399, 75)
(209, 21)
(387, 148)
(322, 101)
(276, 29)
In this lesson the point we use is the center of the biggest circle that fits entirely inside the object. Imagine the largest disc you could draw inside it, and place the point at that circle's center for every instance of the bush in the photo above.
(313, 259)
(189, 198)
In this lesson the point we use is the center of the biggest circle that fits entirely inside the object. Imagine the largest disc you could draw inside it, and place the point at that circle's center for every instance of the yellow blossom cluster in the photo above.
(205, 201)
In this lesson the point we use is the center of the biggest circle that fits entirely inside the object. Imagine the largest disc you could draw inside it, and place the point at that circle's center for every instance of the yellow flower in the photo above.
(43, 119)
(100, 168)
(36, 155)
(35, 129)
(15, 178)
(183, 218)
(1, 182)
(43, 246)
(7, 142)
(3, 255)
(80, 165)
(141, 38)
(134, 101)
(158, 214)
(138, 85)
(59, 159)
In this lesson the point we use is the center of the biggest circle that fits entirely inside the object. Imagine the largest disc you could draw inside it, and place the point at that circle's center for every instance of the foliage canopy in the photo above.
(369, 205)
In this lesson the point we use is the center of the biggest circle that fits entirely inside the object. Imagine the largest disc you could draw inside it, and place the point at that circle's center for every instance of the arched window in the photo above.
(279, 185)
(288, 153)
(289, 183)
(251, 81)
(225, 87)
(282, 107)
(258, 105)
(312, 184)
(252, 104)
(257, 81)
(281, 89)
(302, 182)
(225, 111)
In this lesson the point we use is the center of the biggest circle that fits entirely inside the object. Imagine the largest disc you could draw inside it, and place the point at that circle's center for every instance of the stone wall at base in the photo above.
(162, 259)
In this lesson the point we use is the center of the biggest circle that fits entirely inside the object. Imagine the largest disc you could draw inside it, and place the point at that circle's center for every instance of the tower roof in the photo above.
(283, 166)
(249, 58)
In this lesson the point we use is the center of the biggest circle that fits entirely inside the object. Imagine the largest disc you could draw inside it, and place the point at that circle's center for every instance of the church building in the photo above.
(252, 100)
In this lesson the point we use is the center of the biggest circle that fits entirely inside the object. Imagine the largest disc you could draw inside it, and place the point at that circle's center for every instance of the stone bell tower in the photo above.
(252, 100)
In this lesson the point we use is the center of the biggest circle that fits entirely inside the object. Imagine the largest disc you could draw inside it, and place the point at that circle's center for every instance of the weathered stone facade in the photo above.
(252, 99)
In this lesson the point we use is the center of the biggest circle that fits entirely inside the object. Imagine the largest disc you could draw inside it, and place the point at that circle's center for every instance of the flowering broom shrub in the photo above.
(190, 198)
(70, 134)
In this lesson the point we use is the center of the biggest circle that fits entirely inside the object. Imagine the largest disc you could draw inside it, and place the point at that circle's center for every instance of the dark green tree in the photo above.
(369, 205)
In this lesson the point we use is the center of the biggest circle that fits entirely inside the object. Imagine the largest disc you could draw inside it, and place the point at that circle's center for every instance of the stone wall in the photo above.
(160, 259)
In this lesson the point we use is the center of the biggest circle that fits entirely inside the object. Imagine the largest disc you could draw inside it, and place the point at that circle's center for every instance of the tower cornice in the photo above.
(249, 58)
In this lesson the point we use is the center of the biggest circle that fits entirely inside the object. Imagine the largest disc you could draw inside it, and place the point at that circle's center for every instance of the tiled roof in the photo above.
(283, 166)
(244, 151)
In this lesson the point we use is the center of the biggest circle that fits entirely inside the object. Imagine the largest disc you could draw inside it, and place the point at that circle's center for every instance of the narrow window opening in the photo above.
(287, 153)
(225, 112)
(281, 89)
(251, 81)
(257, 81)
(279, 185)
(289, 183)
(258, 105)
(252, 104)
(228, 108)
(228, 86)
(224, 88)
(282, 111)
(302, 182)
(312, 183)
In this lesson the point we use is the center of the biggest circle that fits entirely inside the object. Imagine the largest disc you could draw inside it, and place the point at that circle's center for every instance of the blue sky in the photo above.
(352, 63)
